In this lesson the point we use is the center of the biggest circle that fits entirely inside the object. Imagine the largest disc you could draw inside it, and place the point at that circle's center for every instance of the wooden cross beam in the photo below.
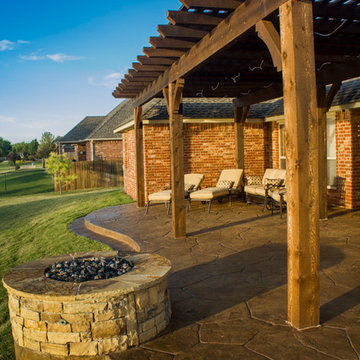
(189, 18)
(211, 4)
(173, 97)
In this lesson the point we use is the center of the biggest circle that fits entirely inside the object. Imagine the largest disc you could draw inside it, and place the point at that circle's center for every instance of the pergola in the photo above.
(253, 51)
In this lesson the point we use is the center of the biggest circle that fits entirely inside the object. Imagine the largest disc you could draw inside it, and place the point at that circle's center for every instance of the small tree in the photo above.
(47, 145)
(58, 167)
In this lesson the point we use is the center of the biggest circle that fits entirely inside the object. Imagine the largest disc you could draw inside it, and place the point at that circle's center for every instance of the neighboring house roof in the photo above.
(104, 131)
(82, 130)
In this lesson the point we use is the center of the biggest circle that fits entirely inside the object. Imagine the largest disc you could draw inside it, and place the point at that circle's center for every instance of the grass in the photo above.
(34, 224)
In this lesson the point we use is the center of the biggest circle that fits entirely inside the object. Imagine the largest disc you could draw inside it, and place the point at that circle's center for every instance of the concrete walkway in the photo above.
(228, 283)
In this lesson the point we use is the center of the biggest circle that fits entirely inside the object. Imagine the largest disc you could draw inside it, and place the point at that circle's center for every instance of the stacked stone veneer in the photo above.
(105, 316)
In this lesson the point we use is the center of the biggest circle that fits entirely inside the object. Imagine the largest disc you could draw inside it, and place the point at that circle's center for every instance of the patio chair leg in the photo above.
(272, 207)
(230, 201)
(209, 206)
(281, 206)
(147, 207)
(168, 207)
(188, 205)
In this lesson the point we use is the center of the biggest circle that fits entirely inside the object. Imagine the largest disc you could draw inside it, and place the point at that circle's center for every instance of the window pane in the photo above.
(331, 172)
(331, 138)
(282, 163)
(282, 141)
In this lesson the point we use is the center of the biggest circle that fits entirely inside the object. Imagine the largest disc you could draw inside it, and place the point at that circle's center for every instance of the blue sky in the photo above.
(60, 61)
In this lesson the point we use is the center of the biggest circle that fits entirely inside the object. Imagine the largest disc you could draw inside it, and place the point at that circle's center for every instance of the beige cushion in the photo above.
(194, 179)
(274, 174)
(161, 196)
(208, 193)
(276, 195)
(235, 175)
(255, 189)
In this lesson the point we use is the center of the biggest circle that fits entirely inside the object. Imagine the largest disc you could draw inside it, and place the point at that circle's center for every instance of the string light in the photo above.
(333, 32)
(235, 77)
(257, 67)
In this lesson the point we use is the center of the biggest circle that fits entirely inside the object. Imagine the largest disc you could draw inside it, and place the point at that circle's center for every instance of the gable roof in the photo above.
(82, 130)
(104, 131)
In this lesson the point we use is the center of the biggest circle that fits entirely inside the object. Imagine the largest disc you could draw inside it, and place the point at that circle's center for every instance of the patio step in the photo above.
(79, 228)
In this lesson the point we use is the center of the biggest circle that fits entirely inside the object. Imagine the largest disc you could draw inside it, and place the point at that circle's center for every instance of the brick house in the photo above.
(209, 142)
(93, 138)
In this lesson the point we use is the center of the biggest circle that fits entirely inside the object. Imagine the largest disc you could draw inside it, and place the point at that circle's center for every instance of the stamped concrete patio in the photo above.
(228, 282)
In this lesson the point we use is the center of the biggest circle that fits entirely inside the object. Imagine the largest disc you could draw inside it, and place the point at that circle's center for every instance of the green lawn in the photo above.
(34, 223)
(5, 166)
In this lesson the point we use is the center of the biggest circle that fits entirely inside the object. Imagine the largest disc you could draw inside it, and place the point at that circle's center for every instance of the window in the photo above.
(282, 149)
(331, 149)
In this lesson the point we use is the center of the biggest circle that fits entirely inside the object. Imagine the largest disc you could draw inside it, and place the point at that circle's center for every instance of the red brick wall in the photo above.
(156, 139)
(347, 192)
(209, 148)
(259, 144)
(108, 150)
(129, 163)
(80, 148)
(275, 161)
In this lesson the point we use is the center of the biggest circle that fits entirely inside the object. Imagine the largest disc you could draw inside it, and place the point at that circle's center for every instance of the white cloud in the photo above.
(11, 45)
(59, 58)
(109, 81)
(7, 45)
(7, 119)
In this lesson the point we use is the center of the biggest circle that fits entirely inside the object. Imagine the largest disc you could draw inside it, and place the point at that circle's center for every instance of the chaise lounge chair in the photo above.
(192, 183)
(262, 187)
(229, 183)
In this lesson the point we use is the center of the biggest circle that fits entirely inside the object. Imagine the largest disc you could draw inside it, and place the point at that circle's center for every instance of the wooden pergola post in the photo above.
(324, 104)
(173, 95)
(300, 107)
(240, 115)
(139, 156)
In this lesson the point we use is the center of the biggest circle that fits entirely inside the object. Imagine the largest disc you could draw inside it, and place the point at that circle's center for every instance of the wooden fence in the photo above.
(95, 174)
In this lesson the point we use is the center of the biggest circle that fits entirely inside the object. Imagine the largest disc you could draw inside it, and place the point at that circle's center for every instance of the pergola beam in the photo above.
(188, 18)
(211, 4)
(166, 43)
(180, 32)
(242, 19)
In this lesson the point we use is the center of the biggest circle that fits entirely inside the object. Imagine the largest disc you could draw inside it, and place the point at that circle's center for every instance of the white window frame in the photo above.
(331, 116)
(281, 124)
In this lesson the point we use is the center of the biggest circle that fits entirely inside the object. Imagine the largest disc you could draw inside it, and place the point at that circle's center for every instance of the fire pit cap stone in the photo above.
(29, 279)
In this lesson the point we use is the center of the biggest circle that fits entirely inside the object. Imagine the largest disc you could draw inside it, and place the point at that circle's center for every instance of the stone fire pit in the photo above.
(91, 318)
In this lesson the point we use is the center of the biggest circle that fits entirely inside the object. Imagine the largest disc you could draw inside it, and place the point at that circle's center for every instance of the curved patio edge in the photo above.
(95, 226)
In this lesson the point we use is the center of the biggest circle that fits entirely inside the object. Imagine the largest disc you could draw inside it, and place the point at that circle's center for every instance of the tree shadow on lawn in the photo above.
(212, 288)
(33, 208)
